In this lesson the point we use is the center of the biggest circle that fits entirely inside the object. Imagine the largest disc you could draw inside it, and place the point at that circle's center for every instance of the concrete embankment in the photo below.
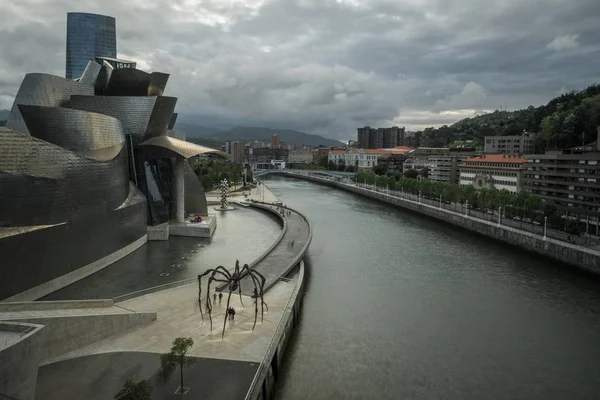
(582, 257)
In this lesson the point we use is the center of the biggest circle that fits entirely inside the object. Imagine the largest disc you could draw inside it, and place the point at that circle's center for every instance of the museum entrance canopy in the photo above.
(170, 146)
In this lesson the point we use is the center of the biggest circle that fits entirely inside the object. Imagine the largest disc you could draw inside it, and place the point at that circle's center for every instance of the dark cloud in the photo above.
(328, 66)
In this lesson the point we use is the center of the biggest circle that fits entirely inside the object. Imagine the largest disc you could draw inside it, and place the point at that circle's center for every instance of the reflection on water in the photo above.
(242, 234)
(400, 306)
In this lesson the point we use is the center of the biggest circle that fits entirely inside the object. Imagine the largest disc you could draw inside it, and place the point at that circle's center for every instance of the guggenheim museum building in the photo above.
(86, 165)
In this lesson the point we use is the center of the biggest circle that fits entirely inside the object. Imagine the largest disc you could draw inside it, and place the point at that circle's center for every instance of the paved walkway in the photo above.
(280, 260)
(178, 316)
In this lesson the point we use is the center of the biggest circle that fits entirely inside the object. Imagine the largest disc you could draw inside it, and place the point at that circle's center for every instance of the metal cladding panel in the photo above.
(35, 257)
(161, 116)
(82, 132)
(195, 197)
(43, 90)
(135, 82)
(157, 83)
(90, 75)
(172, 121)
(103, 79)
(45, 184)
(133, 111)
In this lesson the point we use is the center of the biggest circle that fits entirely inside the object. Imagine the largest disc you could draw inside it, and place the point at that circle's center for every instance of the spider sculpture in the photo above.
(233, 281)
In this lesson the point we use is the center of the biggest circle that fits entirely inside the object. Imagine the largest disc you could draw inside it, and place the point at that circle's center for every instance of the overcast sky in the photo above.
(328, 66)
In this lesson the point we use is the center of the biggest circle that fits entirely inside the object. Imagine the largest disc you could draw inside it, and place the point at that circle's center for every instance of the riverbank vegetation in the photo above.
(523, 205)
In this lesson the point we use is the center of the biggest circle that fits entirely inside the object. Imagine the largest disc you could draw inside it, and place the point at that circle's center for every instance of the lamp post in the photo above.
(466, 207)
(440, 201)
(419, 196)
(545, 226)
(499, 215)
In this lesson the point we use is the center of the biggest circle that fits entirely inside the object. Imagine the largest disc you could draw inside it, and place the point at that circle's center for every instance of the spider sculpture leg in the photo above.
(256, 276)
(225, 320)
(254, 280)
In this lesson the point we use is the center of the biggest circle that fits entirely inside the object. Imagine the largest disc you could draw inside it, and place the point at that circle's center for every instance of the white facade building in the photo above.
(493, 171)
(363, 159)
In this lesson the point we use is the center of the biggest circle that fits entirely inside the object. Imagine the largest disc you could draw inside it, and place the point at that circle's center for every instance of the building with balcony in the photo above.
(377, 138)
(570, 178)
(493, 171)
(361, 159)
(264, 155)
(512, 145)
(444, 167)
(238, 152)
(300, 156)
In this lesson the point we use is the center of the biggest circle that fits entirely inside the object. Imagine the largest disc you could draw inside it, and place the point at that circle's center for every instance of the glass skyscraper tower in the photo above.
(88, 36)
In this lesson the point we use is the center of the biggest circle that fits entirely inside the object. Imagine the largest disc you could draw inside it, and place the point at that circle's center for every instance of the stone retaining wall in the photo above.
(578, 256)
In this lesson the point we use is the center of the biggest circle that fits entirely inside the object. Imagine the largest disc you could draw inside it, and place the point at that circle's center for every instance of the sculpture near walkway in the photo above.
(224, 186)
(233, 281)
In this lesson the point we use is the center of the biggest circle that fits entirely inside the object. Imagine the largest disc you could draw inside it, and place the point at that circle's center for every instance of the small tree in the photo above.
(134, 391)
(177, 356)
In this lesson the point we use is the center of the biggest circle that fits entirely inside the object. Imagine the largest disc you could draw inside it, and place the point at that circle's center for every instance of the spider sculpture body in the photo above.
(233, 281)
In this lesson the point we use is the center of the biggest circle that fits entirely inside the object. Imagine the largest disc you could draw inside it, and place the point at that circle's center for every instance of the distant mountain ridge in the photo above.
(4, 115)
(249, 133)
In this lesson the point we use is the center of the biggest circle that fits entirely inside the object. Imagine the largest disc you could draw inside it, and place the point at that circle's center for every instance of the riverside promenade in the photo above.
(242, 365)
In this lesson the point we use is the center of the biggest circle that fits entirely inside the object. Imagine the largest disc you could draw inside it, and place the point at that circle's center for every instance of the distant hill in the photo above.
(566, 121)
(4, 115)
(246, 134)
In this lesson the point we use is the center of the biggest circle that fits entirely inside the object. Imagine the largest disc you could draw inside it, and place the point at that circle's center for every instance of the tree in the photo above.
(134, 391)
(207, 183)
(177, 356)
(380, 169)
(411, 173)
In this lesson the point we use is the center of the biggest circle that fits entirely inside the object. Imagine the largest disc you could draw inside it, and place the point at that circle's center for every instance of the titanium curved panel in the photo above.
(135, 82)
(45, 184)
(90, 75)
(43, 90)
(195, 197)
(82, 132)
(134, 112)
(103, 78)
(172, 121)
(161, 116)
(182, 148)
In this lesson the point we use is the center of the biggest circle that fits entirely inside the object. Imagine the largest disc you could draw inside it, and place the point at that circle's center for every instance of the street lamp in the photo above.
(499, 214)
(419, 196)
(467, 207)
(440, 201)
(545, 226)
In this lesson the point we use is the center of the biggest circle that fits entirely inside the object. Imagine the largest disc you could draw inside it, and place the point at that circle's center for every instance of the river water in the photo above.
(399, 306)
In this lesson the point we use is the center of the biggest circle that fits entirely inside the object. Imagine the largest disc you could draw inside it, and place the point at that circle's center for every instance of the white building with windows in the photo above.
(493, 171)
(363, 159)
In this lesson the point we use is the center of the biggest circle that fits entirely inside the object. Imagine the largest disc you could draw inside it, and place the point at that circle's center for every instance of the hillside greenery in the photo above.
(568, 120)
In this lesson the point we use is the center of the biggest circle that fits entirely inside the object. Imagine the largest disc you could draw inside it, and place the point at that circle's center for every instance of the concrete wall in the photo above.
(75, 275)
(578, 256)
(54, 305)
(268, 373)
(20, 360)
(65, 333)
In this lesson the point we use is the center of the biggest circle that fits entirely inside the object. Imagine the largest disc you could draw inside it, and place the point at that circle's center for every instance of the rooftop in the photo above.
(496, 158)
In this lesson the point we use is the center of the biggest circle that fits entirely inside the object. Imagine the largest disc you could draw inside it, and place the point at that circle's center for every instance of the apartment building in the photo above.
(570, 178)
(512, 145)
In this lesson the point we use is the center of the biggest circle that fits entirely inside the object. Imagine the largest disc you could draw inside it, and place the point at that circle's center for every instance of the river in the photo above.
(399, 306)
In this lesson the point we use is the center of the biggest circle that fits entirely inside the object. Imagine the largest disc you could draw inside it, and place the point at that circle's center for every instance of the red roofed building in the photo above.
(493, 171)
